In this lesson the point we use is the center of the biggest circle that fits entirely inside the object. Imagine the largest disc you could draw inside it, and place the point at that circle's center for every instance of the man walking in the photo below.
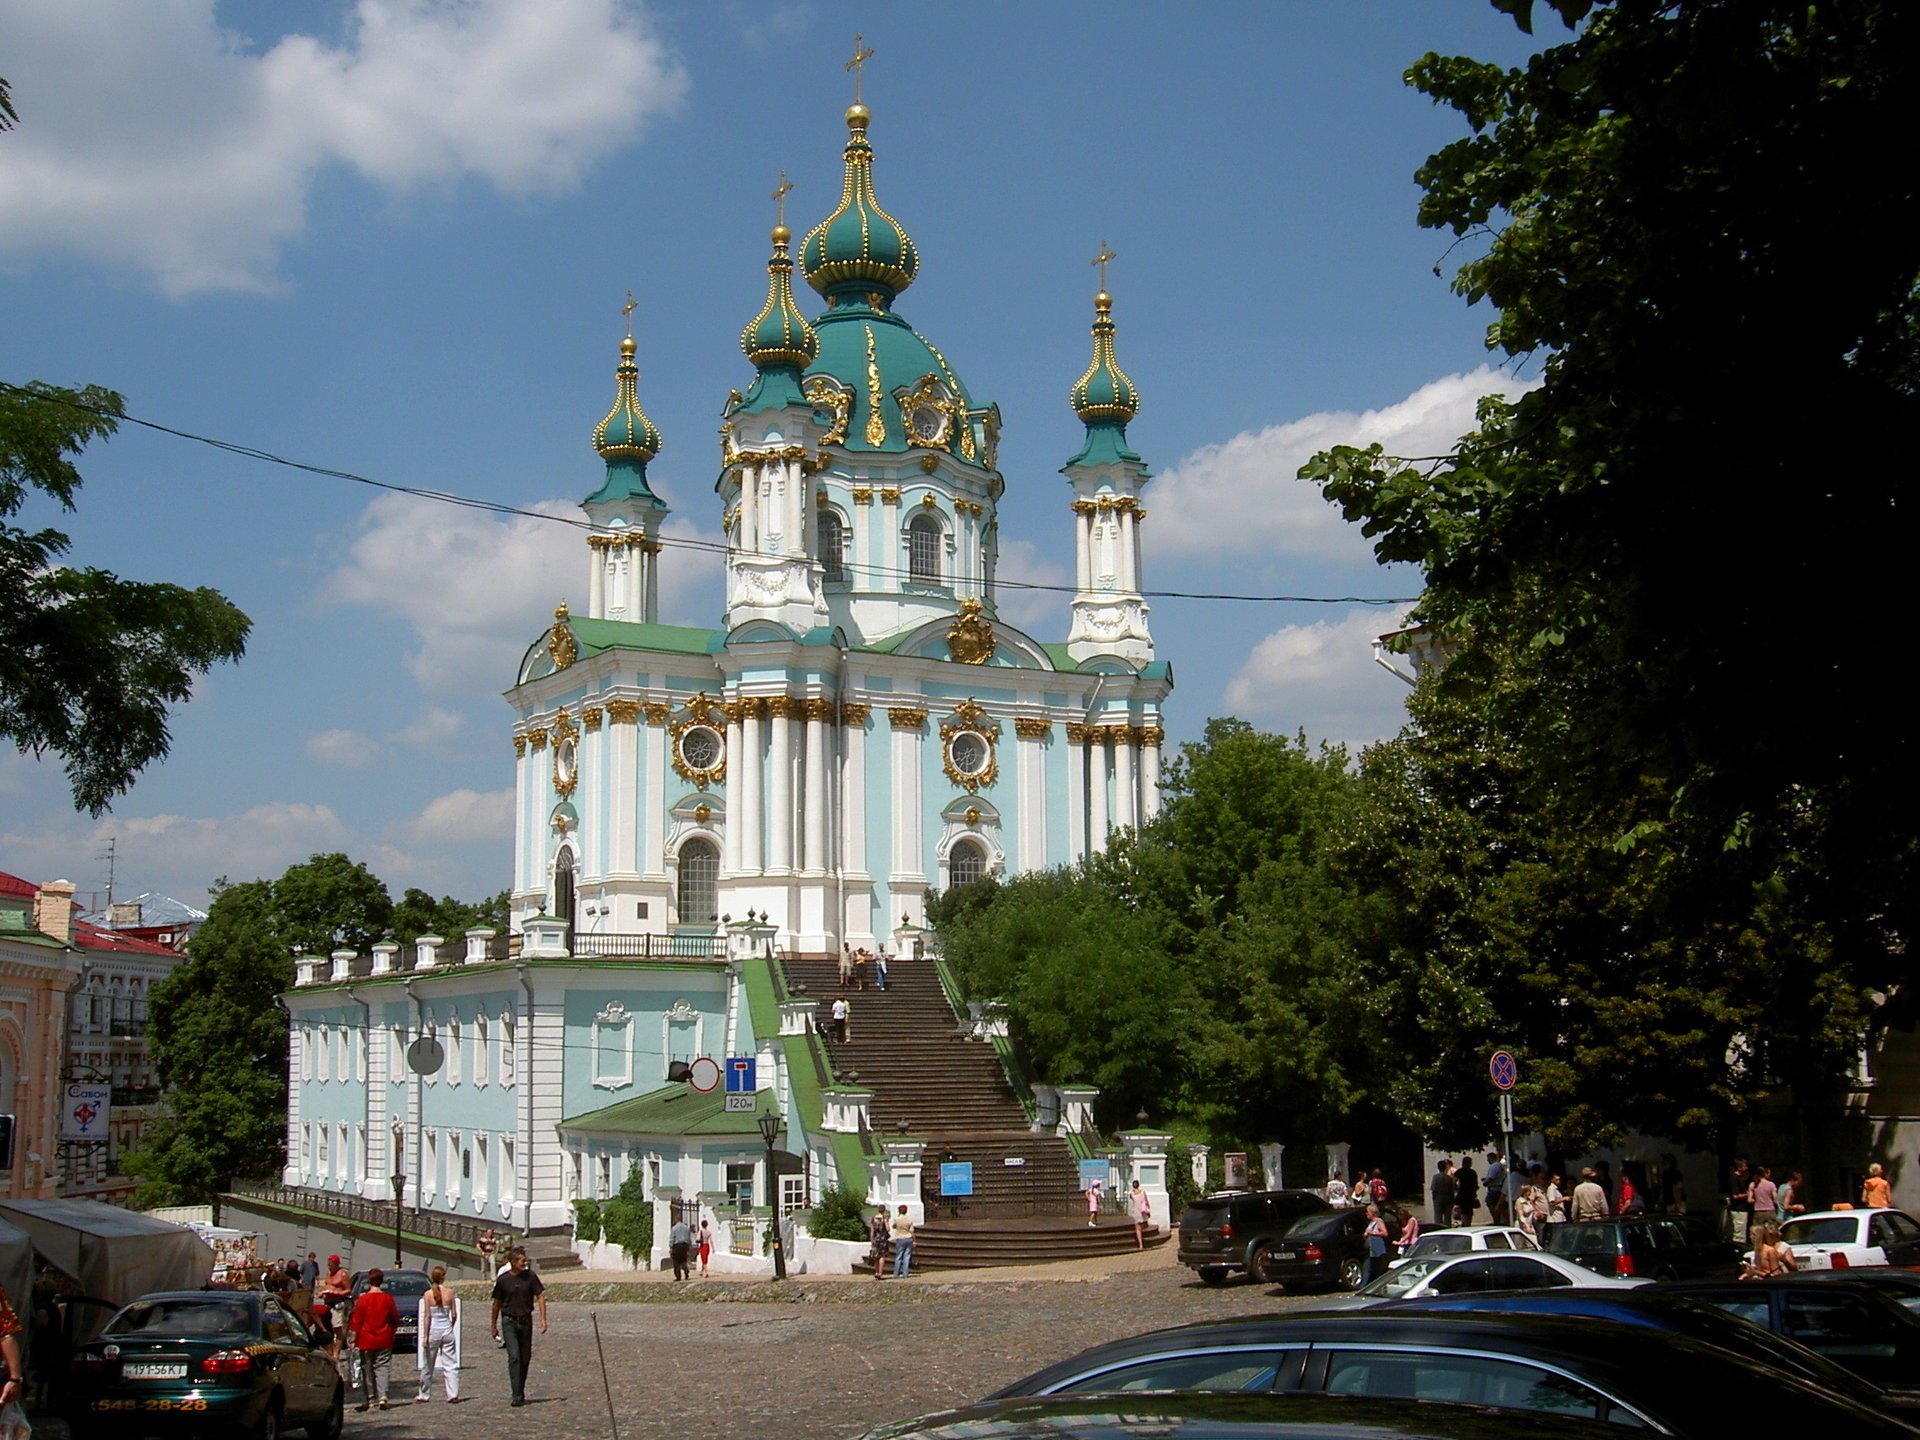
(1466, 1192)
(375, 1318)
(680, 1245)
(1589, 1196)
(1442, 1191)
(1494, 1182)
(310, 1273)
(516, 1295)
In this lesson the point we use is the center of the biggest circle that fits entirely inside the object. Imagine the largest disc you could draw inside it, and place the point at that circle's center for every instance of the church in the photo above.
(701, 813)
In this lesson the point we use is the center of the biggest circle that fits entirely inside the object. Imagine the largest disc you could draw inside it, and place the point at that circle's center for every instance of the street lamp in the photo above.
(769, 1129)
(399, 1190)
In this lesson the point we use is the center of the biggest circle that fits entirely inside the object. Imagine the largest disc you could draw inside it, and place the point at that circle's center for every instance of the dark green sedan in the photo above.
(203, 1360)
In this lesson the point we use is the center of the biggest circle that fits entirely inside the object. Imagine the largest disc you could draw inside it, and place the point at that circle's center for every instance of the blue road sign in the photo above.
(1092, 1170)
(1503, 1069)
(956, 1177)
(741, 1074)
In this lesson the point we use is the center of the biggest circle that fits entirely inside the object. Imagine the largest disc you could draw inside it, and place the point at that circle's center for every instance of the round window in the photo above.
(700, 747)
(564, 762)
(969, 752)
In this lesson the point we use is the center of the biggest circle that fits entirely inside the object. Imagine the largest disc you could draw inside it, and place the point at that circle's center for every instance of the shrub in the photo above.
(837, 1215)
(628, 1219)
(588, 1223)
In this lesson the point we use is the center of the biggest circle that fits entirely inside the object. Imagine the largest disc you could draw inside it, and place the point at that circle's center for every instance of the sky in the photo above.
(393, 237)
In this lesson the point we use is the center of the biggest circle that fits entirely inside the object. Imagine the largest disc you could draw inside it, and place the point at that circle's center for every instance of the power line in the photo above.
(709, 547)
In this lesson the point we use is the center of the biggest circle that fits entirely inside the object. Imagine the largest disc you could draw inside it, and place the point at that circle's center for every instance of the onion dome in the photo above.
(1104, 392)
(780, 334)
(626, 439)
(859, 247)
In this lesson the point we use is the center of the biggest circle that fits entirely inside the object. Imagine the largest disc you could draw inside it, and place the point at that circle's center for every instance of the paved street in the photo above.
(827, 1361)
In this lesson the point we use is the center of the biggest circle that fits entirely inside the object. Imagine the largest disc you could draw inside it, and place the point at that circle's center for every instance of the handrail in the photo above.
(427, 1224)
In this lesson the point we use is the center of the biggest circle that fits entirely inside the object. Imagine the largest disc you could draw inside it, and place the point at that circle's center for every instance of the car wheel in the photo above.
(1215, 1275)
(1352, 1273)
(1258, 1270)
(269, 1426)
(330, 1427)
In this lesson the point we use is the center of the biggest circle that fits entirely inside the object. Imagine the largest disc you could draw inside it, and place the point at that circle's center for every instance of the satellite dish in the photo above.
(426, 1055)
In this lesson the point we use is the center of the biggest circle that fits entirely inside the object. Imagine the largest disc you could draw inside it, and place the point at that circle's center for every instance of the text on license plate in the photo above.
(1286, 1254)
(153, 1370)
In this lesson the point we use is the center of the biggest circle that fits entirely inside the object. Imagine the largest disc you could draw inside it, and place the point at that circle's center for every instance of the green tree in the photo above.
(1647, 569)
(89, 663)
(330, 902)
(417, 913)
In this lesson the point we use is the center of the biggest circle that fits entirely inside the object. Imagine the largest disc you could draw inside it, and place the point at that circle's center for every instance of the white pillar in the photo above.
(816, 802)
(652, 820)
(1099, 772)
(1125, 805)
(1129, 552)
(1031, 750)
(906, 797)
(752, 856)
(852, 826)
(736, 787)
(1150, 773)
(650, 601)
(596, 579)
(780, 788)
(1079, 761)
(1082, 550)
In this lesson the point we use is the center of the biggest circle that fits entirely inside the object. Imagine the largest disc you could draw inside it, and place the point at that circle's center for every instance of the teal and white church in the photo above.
(861, 729)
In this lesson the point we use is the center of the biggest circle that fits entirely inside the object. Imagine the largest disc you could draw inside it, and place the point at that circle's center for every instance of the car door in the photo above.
(1471, 1276)
(1899, 1237)
(1846, 1327)
(293, 1360)
(1460, 1378)
(1498, 1240)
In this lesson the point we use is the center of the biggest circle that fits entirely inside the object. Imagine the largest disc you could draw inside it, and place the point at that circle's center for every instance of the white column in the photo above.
(1078, 761)
(597, 581)
(650, 590)
(1150, 774)
(752, 857)
(797, 507)
(749, 507)
(1082, 551)
(1033, 803)
(1129, 552)
(852, 818)
(1125, 807)
(906, 801)
(652, 820)
(780, 788)
(1099, 769)
(815, 801)
(736, 791)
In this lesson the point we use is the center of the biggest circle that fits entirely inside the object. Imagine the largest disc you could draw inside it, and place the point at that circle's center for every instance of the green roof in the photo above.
(17, 926)
(597, 635)
(675, 1110)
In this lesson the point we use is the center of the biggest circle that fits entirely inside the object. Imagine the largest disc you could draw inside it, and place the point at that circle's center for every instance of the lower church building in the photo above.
(699, 811)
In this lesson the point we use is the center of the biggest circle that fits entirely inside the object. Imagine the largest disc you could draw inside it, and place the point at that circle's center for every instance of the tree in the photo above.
(89, 663)
(417, 913)
(330, 902)
(1649, 570)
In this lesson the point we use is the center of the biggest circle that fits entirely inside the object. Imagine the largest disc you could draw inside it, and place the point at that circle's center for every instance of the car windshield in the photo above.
(1442, 1245)
(1403, 1279)
(1573, 1238)
(1827, 1230)
(406, 1286)
(182, 1317)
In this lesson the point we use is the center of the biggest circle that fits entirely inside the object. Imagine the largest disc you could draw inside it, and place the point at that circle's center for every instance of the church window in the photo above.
(613, 1046)
(563, 890)
(481, 1040)
(970, 751)
(701, 747)
(740, 1184)
(967, 863)
(602, 1177)
(506, 1167)
(923, 549)
(699, 882)
(453, 1051)
(507, 1055)
(833, 547)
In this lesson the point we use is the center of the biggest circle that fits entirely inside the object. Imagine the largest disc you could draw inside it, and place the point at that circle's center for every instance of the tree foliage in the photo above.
(1659, 822)
(417, 913)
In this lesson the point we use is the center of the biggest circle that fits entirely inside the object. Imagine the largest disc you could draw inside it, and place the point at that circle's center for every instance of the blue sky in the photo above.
(393, 237)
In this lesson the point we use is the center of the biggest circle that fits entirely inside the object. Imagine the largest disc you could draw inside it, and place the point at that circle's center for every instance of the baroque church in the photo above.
(704, 813)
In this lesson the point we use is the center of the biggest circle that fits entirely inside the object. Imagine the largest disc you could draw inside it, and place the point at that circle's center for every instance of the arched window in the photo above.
(833, 548)
(563, 891)
(923, 549)
(699, 882)
(966, 863)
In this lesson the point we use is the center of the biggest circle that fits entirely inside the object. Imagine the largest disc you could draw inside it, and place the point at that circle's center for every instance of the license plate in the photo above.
(1286, 1254)
(153, 1370)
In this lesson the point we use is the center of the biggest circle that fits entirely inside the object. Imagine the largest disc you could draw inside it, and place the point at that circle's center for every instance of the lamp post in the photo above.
(399, 1191)
(769, 1129)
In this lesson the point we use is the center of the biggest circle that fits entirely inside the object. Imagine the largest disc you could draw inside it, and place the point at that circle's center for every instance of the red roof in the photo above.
(86, 934)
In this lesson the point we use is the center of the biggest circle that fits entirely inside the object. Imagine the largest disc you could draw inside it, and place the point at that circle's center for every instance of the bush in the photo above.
(628, 1219)
(837, 1215)
(588, 1223)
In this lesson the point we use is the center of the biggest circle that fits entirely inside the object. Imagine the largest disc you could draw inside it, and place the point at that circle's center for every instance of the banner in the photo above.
(86, 1112)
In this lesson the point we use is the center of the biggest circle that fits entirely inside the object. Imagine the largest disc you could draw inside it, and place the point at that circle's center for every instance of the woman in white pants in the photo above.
(439, 1339)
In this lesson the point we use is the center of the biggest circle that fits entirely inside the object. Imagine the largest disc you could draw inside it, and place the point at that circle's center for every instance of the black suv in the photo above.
(1655, 1247)
(1224, 1233)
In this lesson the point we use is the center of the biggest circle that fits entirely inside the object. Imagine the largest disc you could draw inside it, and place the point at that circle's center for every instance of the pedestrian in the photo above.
(439, 1339)
(1589, 1196)
(1376, 1236)
(1336, 1190)
(1557, 1201)
(370, 1330)
(1739, 1199)
(846, 966)
(1765, 1195)
(1876, 1193)
(1790, 1202)
(1378, 1189)
(703, 1247)
(1140, 1211)
(486, 1245)
(1771, 1255)
(14, 1390)
(680, 1246)
(1409, 1231)
(320, 1328)
(310, 1272)
(1441, 1189)
(880, 970)
(336, 1293)
(1466, 1192)
(1631, 1202)
(516, 1295)
(1494, 1182)
(901, 1233)
(840, 1017)
(859, 969)
(1093, 1203)
(880, 1236)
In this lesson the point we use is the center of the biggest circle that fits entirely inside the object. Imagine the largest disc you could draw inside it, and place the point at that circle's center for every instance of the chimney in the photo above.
(53, 910)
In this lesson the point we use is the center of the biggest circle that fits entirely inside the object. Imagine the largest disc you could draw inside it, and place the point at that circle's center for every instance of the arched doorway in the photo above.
(563, 896)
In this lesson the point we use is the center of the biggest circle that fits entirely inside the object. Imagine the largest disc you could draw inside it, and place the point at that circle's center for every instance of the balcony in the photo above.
(680, 945)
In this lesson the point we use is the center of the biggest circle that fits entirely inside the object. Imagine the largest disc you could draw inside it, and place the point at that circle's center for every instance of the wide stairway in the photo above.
(932, 1082)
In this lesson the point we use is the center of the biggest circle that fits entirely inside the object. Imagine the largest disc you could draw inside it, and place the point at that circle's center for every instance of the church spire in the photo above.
(1103, 397)
(859, 250)
(626, 439)
(623, 580)
(778, 340)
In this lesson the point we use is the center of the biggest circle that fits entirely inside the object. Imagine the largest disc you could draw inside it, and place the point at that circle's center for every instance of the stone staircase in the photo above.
(934, 1083)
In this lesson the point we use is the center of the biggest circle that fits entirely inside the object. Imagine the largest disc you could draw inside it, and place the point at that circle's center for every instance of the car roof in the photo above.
(1849, 1214)
(1884, 1277)
(225, 1296)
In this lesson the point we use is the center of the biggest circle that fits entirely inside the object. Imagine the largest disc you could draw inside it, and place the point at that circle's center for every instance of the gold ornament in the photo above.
(1028, 729)
(590, 717)
(623, 712)
(906, 717)
(566, 756)
(560, 642)
(970, 638)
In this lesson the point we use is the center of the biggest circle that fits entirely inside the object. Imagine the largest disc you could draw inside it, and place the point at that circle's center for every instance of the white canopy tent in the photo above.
(113, 1254)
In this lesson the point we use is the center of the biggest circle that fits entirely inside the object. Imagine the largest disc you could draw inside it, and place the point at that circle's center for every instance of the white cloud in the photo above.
(467, 815)
(478, 590)
(1242, 497)
(346, 749)
(1028, 609)
(131, 108)
(258, 843)
(1321, 677)
(431, 728)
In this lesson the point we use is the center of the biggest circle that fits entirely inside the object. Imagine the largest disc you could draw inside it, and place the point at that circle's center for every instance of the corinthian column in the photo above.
(752, 856)
(1099, 773)
(780, 788)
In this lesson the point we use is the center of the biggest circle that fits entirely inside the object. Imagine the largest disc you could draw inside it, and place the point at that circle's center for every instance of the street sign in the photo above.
(86, 1111)
(746, 1104)
(956, 1177)
(1506, 1114)
(741, 1075)
(1503, 1069)
(704, 1074)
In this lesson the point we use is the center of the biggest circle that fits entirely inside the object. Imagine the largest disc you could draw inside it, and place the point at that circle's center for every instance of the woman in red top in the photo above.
(375, 1318)
(15, 1387)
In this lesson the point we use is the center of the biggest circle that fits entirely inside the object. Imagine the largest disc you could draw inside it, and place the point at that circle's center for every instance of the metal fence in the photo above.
(425, 1224)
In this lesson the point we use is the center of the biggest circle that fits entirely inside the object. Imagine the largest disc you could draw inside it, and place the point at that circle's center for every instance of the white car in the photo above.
(1474, 1272)
(1842, 1239)
(1461, 1239)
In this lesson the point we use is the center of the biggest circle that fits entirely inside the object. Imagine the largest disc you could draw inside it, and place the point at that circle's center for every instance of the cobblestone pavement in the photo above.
(816, 1359)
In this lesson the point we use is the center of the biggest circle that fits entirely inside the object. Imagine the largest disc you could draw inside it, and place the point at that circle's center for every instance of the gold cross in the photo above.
(780, 198)
(1101, 260)
(860, 57)
(627, 310)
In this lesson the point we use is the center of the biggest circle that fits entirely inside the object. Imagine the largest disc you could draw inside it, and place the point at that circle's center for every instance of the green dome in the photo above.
(1104, 393)
(872, 353)
(627, 433)
(780, 334)
(859, 246)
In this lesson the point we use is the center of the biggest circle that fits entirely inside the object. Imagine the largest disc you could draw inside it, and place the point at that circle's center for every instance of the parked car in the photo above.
(1842, 1239)
(1549, 1366)
(406, 1287)
(1658, 1307)
(1470, 1273)
(1208, 1416)
(1224, 1233)
(1858, 1326)
(1460, 1239)
(1662, 1247)
(1902, 1285)
(181, 1360)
